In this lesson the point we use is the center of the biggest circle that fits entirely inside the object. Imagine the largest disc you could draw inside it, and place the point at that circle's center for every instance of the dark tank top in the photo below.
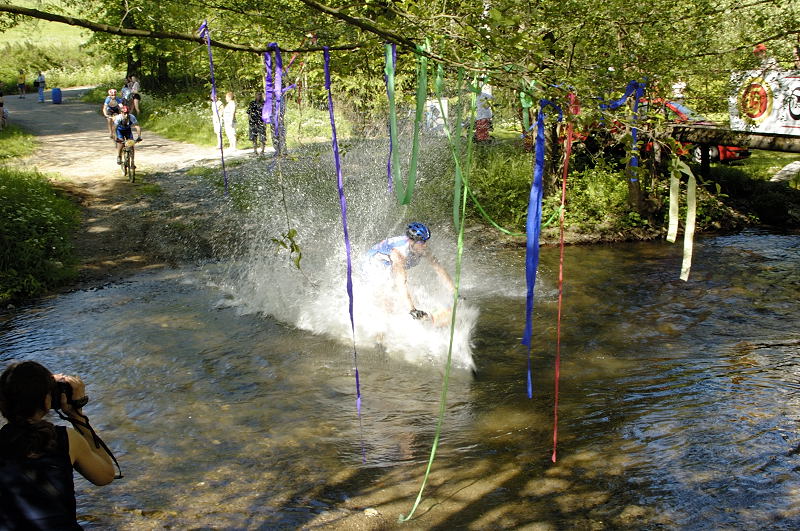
(37, 493)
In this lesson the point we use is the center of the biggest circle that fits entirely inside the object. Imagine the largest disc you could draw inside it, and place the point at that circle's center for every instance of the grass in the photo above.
(764, 164)
(43, 32)
(36, 226)
(15, 143)
(58, 50)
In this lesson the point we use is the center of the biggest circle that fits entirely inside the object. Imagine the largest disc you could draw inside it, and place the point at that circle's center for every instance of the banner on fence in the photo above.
(766, 101)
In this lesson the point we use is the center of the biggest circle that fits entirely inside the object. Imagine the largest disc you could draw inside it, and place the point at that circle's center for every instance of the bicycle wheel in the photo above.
(131, 167)
(124, 165)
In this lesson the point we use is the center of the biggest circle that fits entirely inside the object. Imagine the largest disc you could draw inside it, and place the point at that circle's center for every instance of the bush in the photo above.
(36, 226)
(501, 180)
(597, 198)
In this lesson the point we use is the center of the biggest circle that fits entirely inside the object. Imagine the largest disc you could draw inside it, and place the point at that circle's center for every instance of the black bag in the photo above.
(36, 84)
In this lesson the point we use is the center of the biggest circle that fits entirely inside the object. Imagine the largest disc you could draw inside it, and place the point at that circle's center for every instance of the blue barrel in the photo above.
(56, 95)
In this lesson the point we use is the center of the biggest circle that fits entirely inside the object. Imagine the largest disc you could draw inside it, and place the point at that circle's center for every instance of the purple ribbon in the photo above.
(533, 229)
(266, 110)
(274, 90)
(205, 33)
(343, 204)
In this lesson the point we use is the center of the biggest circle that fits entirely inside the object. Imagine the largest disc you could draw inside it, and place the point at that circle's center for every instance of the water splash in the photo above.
(314, 297)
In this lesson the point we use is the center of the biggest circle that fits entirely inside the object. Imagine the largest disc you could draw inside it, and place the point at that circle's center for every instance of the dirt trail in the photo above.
(126, 227)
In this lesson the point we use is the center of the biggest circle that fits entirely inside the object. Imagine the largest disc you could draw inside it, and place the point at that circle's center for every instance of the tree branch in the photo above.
(133, 32)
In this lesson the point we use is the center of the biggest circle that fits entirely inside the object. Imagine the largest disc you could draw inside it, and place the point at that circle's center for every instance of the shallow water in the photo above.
(677, 405)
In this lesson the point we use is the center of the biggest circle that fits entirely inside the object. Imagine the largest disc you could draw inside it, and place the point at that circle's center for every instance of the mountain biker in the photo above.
(393, 256)
(111, 107)
(124, 123)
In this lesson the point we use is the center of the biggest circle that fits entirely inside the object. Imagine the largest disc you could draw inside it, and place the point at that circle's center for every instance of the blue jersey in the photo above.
(121, 126)
(381, 253)
(113, 109)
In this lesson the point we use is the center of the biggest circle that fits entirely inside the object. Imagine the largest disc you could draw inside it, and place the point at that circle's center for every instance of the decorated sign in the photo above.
(766, 101)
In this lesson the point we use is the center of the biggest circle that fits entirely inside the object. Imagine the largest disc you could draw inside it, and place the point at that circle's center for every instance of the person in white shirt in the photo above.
(229, 119)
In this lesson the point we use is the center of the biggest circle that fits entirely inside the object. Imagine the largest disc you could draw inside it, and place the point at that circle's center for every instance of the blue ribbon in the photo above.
(637, 88)
(533, 230)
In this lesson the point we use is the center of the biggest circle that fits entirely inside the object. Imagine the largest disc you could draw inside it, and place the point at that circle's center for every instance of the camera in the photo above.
(66, 389)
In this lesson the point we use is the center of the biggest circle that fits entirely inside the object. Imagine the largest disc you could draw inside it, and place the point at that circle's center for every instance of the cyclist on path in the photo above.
(124, 123)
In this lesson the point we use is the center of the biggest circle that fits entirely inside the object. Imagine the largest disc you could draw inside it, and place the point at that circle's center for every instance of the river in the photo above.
(677, 405)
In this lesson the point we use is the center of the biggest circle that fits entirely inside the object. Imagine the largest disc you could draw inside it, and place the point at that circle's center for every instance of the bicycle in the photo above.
(128, 166)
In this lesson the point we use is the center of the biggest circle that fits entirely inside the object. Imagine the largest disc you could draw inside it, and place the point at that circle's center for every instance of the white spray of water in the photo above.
(314, 297)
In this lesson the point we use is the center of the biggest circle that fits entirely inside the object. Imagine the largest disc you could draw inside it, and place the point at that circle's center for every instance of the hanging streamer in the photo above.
(574, 110)
(388, 77)
(454, 139)
(404, 193)
(533, 230)
(634, 88)
(343, 205)
(205, 34)
(457, 283)
(677, 167)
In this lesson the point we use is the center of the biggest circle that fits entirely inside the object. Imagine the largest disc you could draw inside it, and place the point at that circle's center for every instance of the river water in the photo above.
(678, 404)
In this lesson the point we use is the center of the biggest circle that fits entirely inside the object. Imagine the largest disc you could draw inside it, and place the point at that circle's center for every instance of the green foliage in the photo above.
(597, 200)
(501, 180)
(287, 241)
(15, 143)
(36, 226)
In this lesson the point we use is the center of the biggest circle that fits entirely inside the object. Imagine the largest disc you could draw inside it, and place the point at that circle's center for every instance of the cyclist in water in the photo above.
(395, 255)
(124, 123)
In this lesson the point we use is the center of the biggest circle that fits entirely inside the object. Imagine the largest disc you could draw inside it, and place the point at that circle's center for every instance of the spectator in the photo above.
(765, 61)
(21, 83)
(483, 116)
(217, 109)
(40, 83)
(125, 92)
(37, 458)
(136, 97)
(229, 119)
(258, 129)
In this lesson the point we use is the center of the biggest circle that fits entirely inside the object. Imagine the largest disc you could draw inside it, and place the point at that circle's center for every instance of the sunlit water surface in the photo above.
(678, 401)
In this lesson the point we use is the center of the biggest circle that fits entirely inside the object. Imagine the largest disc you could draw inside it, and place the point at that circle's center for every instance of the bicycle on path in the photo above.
(124, 124)
(128, 157)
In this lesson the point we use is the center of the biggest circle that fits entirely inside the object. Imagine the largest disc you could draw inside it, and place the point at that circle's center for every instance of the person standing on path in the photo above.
(40, 84)
(258, 129)
(217, 108)
(229, 119)
(135, 96)
(21, 83)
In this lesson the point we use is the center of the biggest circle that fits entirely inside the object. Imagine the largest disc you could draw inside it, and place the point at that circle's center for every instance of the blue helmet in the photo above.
(418, 232)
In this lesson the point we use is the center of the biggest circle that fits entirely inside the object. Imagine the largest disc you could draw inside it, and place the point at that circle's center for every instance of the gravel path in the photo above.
(166, 217)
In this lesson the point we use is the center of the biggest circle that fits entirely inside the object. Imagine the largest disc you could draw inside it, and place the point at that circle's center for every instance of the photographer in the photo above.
(37, 457)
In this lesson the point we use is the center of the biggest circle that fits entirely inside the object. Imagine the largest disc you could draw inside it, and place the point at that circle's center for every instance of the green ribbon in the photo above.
(446, 378)
(404, 193)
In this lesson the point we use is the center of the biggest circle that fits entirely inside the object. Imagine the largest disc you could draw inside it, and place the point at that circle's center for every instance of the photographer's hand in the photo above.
(88, 457)
(78, 392)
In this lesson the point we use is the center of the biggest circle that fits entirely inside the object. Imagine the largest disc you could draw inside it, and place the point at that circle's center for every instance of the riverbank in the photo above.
(174, 213)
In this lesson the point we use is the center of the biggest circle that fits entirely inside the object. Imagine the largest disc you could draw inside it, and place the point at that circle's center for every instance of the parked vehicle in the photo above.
(679, 113)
